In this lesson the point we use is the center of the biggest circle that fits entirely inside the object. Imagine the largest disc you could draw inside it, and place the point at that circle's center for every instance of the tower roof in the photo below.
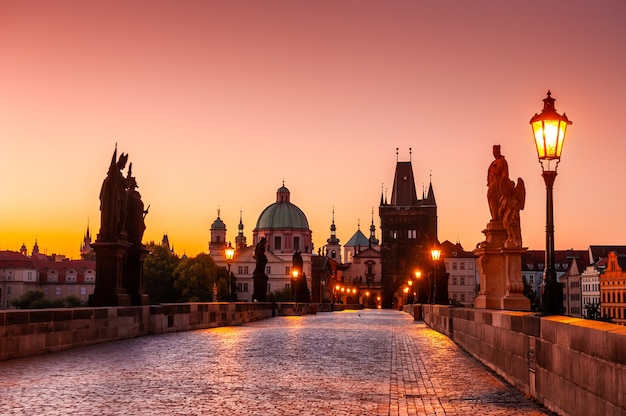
(403, 192)
(358, 239)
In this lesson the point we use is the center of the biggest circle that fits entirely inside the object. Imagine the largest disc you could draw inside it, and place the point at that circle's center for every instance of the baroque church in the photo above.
(365, 270)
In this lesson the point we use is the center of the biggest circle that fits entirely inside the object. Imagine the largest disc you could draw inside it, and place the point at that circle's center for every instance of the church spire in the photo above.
(373, 241)
(333, 231)
(240, 240)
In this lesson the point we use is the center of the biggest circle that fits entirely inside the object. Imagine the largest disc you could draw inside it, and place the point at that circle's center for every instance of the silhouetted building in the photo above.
(409, 231)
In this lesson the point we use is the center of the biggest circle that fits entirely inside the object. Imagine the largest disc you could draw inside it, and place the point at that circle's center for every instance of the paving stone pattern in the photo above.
(371, 362)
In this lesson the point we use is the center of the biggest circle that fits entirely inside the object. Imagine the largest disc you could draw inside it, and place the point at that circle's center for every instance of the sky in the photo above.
(218, 102)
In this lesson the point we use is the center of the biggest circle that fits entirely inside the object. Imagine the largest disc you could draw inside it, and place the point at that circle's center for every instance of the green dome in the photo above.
(282, 214)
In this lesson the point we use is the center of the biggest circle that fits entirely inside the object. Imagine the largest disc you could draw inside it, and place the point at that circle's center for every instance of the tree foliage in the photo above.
(158, 274)
(194, 278)
(35, 299)
(529, 292)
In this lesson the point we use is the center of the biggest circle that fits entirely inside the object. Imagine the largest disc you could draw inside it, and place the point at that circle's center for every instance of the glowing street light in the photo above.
(229, 252)
(435, 254)
(549, 133)
(294, 274)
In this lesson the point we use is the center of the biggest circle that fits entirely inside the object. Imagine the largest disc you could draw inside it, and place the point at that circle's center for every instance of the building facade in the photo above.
(613, 288)
(462, 274)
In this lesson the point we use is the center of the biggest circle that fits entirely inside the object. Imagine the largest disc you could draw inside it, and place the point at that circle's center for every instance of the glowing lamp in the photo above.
(229, 252)
(549, 133)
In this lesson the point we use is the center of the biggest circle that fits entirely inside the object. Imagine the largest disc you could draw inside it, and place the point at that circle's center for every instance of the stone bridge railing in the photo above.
(38, 331)
(572, 366)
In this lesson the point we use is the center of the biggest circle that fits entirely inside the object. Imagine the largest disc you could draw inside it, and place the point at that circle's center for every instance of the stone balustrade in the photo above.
(38, 331)
(572, 366)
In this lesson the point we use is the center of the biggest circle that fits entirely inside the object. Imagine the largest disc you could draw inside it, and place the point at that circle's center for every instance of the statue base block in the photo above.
(500, 271)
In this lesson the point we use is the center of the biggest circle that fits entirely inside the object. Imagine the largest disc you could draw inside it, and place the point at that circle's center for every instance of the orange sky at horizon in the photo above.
(218, 102)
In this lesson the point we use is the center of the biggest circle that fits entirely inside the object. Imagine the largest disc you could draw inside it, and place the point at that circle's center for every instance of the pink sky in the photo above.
(218, 102)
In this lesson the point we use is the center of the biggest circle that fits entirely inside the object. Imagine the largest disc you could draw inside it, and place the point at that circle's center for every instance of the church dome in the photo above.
(218, 224)
(282, 214)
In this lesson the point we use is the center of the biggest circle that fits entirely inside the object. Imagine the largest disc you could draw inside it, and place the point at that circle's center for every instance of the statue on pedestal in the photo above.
(499, 256)
(113, 200)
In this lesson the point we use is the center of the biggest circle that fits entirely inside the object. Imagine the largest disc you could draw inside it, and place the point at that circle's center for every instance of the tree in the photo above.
(194, 278)
(530, 293)
(282, 295)
(158, 274)
(592, 311)
(34, 299)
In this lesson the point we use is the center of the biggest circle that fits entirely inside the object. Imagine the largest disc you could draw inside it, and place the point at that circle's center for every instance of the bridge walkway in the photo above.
(368, 362)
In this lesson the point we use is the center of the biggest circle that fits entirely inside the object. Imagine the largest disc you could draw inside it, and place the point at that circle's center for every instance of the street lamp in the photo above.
(418, 276)
(294, 274)
(435, 254)
(549, 133)
(229, 252)
(410, 283)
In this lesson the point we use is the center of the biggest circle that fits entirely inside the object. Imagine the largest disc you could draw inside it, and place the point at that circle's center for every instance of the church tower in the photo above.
(85, 247)
(218, 238)
(408, 232)
(240, 240)
(333, 248)
(374, 243)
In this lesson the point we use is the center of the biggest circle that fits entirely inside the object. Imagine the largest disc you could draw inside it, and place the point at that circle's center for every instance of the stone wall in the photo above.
(572, 366)
(38, 331)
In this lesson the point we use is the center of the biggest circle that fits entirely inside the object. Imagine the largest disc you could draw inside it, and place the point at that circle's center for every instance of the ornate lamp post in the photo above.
(435, 254)
(418, 276)
(549, 132)
(411, 299)
(294, 281)
(229, 252)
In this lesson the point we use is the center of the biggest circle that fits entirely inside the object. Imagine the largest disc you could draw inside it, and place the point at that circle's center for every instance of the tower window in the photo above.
(333, 254)
(277, 243)
(296, 243)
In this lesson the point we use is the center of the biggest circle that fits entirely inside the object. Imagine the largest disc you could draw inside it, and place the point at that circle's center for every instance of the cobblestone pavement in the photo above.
(372, 362)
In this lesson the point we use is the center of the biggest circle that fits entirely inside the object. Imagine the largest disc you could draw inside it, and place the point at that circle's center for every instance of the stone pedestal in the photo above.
(259, 293)
(133, 273)
(500, 270)
(110, 274)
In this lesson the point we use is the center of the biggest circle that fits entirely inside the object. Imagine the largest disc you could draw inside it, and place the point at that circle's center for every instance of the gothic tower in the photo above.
(408, 232)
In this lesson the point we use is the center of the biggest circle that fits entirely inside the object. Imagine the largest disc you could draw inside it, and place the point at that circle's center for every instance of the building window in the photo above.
(454, 280)
(412, 234)
(287, 286)
(470, 266)
(30, 276)
(288, 270)
(8, 275)
(83, 291)
(58, 291)
(296, 243)
(454, 265)
(8, 290)
(463, 280)
(333, 254)
(462, 297)
(70, 290)
(462, 265)
(268, 270)
(278, 243)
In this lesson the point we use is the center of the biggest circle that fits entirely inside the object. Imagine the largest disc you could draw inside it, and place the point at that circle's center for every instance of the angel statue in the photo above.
(511, 203)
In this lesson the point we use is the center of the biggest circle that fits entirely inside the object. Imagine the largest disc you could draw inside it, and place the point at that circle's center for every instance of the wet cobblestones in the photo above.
(342, 363)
